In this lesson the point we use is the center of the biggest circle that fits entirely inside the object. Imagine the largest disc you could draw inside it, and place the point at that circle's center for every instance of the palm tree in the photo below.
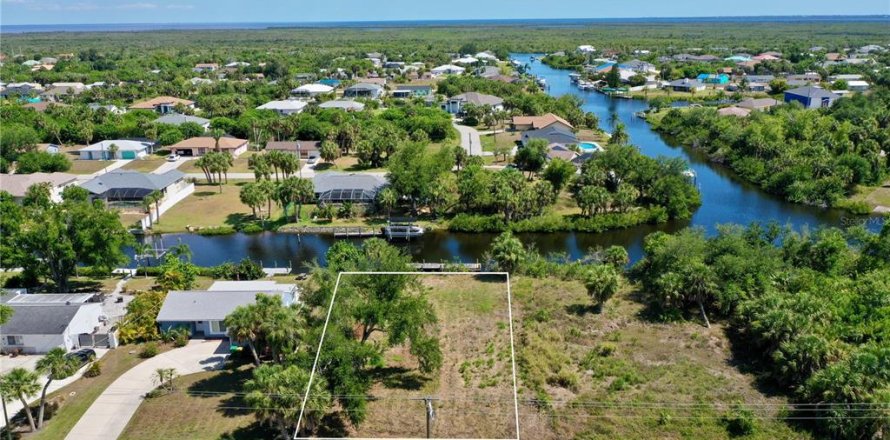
(156, 197)
(181, 250)
(699, 279)
(146, 204)
(387, 199)
(145, 250)
(56, 366)
(113, 149)
(22, 383)
(243, 326)
(216, 134)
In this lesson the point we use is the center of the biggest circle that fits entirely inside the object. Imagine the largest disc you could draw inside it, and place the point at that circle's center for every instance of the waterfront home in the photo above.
(311, 90)
(686, 85)
(524, 123)
(41, 322)
(447, 69)
(412, 91)
(203, 312)
(456, 104)
(304, 149)
(162, 104)
(205, 67)
(284, 107)
(811, 97)
(133, 186)
(586, 49)
(348, 187)
(734, 111)
(179, 119)
(363, 90)
(201, 145)
(638, 66)
(758, 104)
(123, 149)
(560, 151)
(553, 134)
(343, 104)
(466, 60)
(486, 56)
(17, 184)
(711, 78)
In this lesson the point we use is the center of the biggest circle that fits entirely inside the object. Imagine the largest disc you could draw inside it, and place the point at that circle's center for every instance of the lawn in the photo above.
(88, 166)
(874, 195)
(202, 407)
(138, 283)
(239, 165)
(504, 140)
(77, 397)
(146, 165)
(207, 207)
(346, 164)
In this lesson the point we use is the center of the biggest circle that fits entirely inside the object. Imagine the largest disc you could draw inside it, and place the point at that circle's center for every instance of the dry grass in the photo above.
(239, 165)
(88, 166)
(207, 207)
(145, 165)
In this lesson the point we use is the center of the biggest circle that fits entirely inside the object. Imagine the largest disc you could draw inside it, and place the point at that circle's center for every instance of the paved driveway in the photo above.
(110, 413)
(469, 139)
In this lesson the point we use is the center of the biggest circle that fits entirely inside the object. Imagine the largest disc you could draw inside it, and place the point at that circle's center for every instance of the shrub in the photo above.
(252, 228)
(564, 378)
(740, 421)
(149, 350)
(94, 370)
(139, 323)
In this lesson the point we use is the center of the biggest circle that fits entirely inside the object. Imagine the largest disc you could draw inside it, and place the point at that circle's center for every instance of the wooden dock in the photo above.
(346, 232)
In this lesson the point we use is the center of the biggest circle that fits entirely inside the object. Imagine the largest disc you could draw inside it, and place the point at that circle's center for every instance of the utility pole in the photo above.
(430, 414)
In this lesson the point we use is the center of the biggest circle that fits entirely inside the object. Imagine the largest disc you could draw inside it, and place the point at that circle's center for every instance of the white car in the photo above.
(313, 160)
(173, 157)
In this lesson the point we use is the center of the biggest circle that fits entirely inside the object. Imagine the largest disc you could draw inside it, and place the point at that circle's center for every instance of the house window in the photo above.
(217, 327)
(14, 340)
(826, 102)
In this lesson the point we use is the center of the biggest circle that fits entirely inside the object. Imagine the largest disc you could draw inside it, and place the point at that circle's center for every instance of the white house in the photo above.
(447, 69)
(466, 60)
(586, 48)
(487, 56)
(126, 149)
(311, 90)
(857, 86)
(285, 107)
(17, 184)
(41, 322)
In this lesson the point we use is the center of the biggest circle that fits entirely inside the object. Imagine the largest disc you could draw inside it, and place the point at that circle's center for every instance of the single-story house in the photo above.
(411, 91)
(42, 106)
(553, 134)
(466, 60)
(686, 85)
(110, 108)
(285, 107)
(178, 119)
(125, 185)
(845, 77)
(305, 149)
(560, 151)
(811, 97)
(236, 64)
(343, 104)
(162, 104)
(203, 312)
(351, 187)
(738, 112)
(759, 78)
(311, 90)
(363, 90)
(447, 69)
(205, 67)
(17, 184)
(758, 104)
(857, 85)
(41, 322)
(126, 149)
(21, 89)
(638, 66)
(586, 48)
(711, 78)
(455, 104)
(201, 145)
(486, 55)
(812, 77)
(394, 65)
(200, 81)
(523, 123)
(263, 286)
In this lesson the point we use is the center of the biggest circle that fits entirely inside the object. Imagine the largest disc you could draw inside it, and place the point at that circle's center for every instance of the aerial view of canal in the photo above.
(725, 199)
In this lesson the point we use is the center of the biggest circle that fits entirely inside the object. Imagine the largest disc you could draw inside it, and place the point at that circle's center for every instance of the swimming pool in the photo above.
(589, 147)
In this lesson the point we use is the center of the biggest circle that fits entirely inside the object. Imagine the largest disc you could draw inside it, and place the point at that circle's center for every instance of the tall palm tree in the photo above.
(112, 150)
(145, 250)
(156, 197)
(216, 134)
(146, 204)
(243, 326)
(22, 383)
(56, 366)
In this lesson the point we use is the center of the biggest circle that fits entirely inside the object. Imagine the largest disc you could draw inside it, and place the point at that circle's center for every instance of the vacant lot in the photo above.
(88, 166)
(145, 165)
(238, 166)
(208, 207)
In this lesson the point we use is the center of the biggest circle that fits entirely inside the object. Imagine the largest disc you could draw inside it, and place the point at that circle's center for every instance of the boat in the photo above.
(542, 83)
(404, 230)
(574, 77)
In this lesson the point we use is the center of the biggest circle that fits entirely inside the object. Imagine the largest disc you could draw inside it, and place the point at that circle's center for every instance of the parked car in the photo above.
(312, 160)
(173, 157)
(84, 355)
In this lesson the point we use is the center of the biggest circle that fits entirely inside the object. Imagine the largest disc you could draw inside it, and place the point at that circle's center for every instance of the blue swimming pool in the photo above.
(588, 147)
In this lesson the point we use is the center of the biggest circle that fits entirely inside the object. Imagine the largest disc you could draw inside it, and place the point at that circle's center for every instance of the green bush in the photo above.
(94, 370)
(149, 350)
(252, 228)
(740, 421)
(217, 230)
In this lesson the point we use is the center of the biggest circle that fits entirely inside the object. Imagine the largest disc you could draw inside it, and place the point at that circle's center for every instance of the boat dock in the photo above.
(357, 232)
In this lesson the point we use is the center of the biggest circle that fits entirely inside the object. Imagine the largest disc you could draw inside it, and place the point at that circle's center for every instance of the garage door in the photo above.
(128, 154)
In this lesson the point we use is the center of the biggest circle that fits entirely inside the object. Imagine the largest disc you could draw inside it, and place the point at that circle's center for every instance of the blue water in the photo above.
(589, 146)
(538, 22)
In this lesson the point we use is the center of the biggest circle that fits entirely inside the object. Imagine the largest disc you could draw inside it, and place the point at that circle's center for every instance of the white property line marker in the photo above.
(324, 331)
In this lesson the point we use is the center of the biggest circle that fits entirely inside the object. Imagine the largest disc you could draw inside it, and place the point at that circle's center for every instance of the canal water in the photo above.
(725, 199)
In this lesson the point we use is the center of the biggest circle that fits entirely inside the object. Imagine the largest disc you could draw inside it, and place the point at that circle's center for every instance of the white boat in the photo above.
(402, 230)
(574, 77)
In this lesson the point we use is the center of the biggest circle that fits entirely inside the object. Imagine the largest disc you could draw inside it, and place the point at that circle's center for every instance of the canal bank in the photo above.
(725, 199)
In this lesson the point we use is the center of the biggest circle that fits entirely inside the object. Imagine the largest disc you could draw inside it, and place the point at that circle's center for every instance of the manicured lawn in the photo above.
(505, 140)
(147, 165)
(77, 397)
(88, 166)
(202, 407)
(238, 166)
(207, 207)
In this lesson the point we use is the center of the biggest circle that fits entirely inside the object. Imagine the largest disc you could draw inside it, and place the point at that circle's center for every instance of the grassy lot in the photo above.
(507, 140)
(189, 414)
(873, 195)
(238, 166)
(207, 207)
(77, 397)
(146, 165)
(346, 164)
(142, 283)
(88, 166)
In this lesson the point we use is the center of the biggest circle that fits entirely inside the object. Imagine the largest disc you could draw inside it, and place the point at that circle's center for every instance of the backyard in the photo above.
(239, 164)
(88, 166)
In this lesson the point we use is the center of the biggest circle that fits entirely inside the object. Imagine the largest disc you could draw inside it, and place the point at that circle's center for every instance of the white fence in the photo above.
(175, 194)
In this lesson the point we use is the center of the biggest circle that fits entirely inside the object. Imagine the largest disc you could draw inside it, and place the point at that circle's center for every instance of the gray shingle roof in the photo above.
(176, 119)
(551, 134)
(132, 180)
(200, 305)
(478, 98)
(811, 92)
(39, 320)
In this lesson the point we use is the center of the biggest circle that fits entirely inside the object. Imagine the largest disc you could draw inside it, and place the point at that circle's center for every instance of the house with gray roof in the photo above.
(203, 312)
(343, 104)
(123, 185)
(348, 187)
(455, 104)
(117, 149)
(811, 97)
(412, 90)
(363, 90)
(179, 119)
(553, 134)
(39, 326)
(686, 85)
(17, 184)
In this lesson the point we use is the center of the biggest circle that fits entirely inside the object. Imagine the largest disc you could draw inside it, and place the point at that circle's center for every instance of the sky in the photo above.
(17, 12)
